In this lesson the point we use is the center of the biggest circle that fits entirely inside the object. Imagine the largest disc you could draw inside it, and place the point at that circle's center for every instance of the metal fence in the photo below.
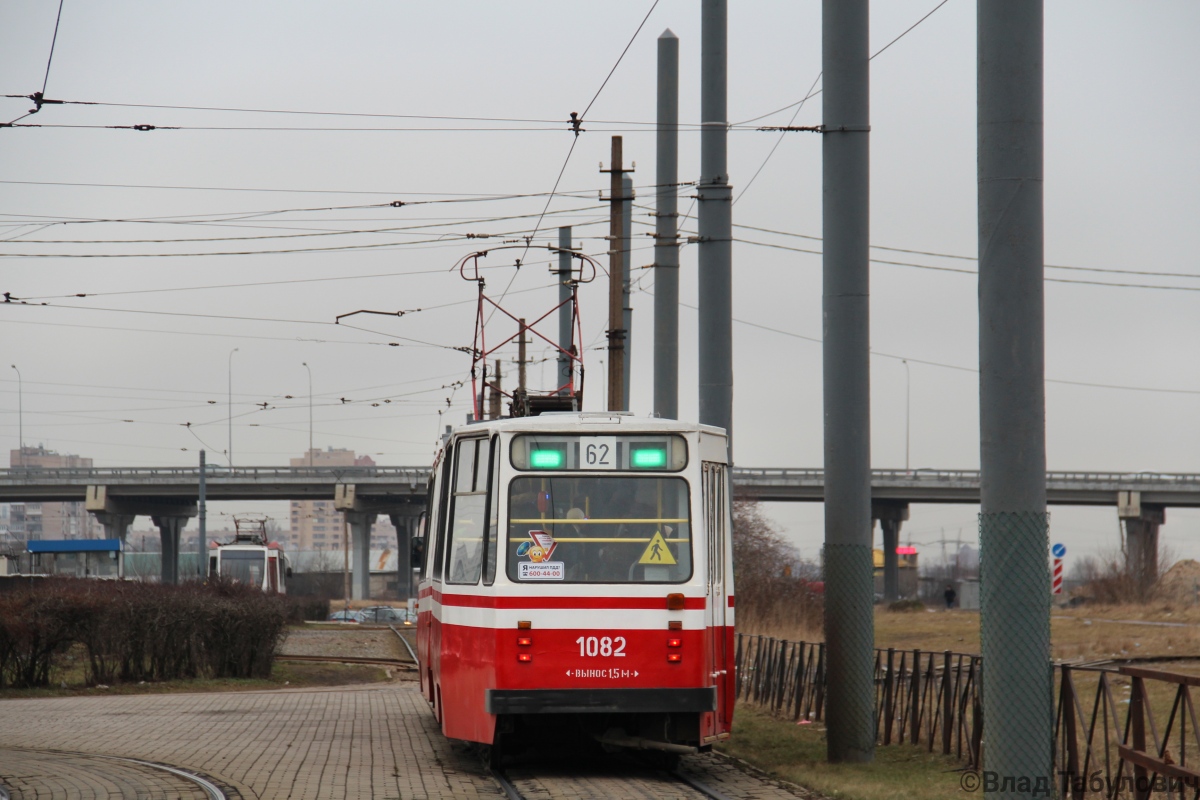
(920, 698)
(934, 700)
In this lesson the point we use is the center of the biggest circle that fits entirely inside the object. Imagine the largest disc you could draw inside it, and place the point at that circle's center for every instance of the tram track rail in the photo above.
(571, 786)
(51, 772)
(387, 663)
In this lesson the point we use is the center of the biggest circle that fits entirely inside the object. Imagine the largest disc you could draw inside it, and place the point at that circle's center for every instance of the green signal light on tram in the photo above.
(546, 459)
(649, 458)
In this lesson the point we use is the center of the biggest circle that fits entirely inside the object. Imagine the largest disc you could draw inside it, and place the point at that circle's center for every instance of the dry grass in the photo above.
(796, 753)
(1076, 634)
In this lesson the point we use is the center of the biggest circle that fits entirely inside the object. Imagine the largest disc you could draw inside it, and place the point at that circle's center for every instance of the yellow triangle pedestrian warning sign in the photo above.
(657, 552)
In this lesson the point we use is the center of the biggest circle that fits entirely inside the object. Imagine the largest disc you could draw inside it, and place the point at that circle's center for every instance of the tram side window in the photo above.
(438, 528)
(493, 532)
(469, 507)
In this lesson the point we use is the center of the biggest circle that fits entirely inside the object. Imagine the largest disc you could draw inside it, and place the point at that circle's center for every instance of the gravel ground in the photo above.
(348, 641)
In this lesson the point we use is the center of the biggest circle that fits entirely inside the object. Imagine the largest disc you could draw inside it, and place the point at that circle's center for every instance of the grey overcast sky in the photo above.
(153, 226)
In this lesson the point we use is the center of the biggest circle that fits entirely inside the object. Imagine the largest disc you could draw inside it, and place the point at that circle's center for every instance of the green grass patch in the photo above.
(290, 675)
(796, 753)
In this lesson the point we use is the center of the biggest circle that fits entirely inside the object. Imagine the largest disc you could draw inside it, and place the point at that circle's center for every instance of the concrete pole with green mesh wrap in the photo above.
(849, 568)
(1018, 710)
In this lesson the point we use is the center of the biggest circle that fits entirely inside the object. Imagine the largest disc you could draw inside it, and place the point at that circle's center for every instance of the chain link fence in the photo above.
(1014, 600)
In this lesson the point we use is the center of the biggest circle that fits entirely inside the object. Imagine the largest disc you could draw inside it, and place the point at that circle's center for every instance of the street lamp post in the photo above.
(907, 404)
(310, 439)
(230, 407)
(20, 416)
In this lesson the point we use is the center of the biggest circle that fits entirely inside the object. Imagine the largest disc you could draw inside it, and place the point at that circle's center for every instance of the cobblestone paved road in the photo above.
(350, 743)
(62, 776)
(354, 743)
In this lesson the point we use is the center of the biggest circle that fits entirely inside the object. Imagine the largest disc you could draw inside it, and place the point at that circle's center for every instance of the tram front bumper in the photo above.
(601, 701)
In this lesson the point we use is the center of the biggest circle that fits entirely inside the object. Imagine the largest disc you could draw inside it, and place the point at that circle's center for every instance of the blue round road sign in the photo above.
(1059, 550)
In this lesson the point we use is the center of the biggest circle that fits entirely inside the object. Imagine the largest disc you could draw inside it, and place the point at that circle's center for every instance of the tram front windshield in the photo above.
(244, 566)
(599, 529)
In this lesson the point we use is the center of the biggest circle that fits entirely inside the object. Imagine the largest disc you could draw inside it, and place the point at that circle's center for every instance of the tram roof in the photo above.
(587, 421)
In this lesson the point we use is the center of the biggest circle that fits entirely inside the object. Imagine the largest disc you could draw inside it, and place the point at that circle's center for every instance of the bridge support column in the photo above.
(1141, 540)
(891, 516)
(169, 527)
(360, 523)
(405, 525)
(116, 526)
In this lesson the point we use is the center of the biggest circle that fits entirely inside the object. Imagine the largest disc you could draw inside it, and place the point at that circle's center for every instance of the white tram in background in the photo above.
(578, 581)
(250, 558)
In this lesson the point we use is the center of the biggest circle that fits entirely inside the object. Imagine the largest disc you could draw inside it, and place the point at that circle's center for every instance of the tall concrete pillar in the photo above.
(169, 527)
(1014, 533)
(404, 524)
(1141, 540)
(360, 523)
(891, 516)
(849, 535)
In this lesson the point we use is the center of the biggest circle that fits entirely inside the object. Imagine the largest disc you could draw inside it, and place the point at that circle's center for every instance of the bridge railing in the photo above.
(212, 473)
(751, 475)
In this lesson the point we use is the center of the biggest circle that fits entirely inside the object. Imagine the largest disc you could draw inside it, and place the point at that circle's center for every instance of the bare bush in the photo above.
(139, 632)
(1108, 579)
(774, 587)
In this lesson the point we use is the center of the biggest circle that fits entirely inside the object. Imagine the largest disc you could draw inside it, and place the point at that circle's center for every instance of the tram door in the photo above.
(716, 515)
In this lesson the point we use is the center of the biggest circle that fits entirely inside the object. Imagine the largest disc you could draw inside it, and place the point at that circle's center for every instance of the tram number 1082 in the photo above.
(605, 646)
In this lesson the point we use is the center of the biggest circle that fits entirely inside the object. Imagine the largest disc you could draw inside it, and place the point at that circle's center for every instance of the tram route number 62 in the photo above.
(605, 646)
(600, 452)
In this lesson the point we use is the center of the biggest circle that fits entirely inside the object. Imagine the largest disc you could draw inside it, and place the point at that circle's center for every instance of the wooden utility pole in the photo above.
(616, 281)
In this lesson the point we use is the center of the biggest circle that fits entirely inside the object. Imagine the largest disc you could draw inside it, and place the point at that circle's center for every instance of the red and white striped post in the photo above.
(1058, 551)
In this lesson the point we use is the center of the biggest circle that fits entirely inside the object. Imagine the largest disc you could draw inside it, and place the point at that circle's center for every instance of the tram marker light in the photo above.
(674, 642)
(547, 459)
(675, 601)
(648, 458)
(524, 641)
(524, 656)
(674, 657)
(524, 624)
(675, 625)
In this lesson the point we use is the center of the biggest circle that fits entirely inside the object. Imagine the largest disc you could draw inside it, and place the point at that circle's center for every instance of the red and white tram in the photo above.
(250, 558)
(578, 581)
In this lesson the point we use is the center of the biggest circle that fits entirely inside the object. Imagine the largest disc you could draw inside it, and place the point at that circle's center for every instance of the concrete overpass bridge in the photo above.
(169, 495)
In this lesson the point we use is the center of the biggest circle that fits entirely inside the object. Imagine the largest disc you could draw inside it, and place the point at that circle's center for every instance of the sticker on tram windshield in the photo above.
(539, 567)
(545, 571)
(539, 549)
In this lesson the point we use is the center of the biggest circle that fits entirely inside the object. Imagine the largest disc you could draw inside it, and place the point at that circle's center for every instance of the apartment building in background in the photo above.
(49, 520)
(315, 524)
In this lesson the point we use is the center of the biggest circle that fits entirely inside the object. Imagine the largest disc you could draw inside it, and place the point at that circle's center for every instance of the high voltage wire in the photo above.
(371, 115)
(959, 367)
(577, 122)
(813, 92)
(957, 270)
(974, 272)
(463, 196)
(416, 229)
